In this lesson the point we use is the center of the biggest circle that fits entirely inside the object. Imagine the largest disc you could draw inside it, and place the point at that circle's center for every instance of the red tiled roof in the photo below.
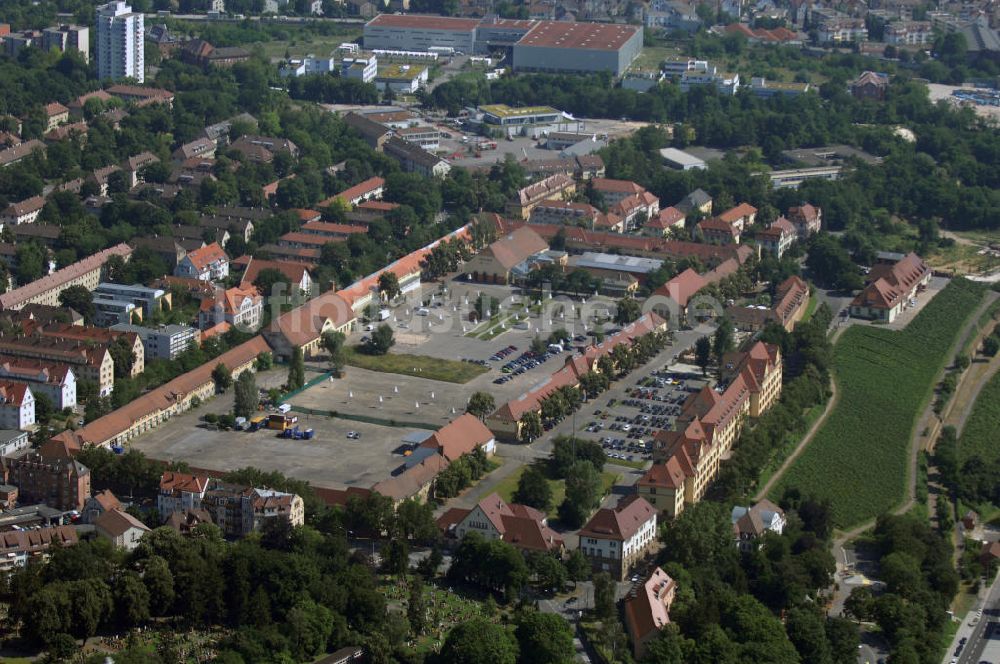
(292, 271)
(55, 108)
(647, 608)
(460, 436)
(616, 186)
(740, 211)
(683, 287)
(620, 523)
(202, 258)
(517, 247)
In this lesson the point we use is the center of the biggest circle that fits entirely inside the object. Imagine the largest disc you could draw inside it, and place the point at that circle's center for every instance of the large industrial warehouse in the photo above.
(555, 46)
(560, 46)
(412, 32)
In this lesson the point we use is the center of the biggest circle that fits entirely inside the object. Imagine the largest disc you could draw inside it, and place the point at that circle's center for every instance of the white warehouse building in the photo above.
(414, 32)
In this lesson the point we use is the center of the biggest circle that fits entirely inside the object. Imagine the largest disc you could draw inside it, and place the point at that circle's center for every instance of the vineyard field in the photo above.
(858, 459)
(979, 436)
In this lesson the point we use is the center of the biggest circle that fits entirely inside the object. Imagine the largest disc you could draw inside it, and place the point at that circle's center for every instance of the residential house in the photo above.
(134, 165)
(19, 547)
(55, 115)
(25, 212)
(53, 379)
(16, 153)
(208, 263)
(697, 201)
(669, 220)
(414, 159)
(717, 231)
(89, 362)
(98, 504)
(164, 246)
(165, 342)
(201, 148)
(121, 528)
(647, 609)
(263, 148)
(807, 219)
(375, 134)
(12, 442)
(555, 187)
(46, 290)
(17, 405)
(614, 539)
(93, 337)
(522, 526)
(238, 306)
(742, 216)
(790, 302)
(496, 263)
(297, 275)
(890, 287)
(752, 523)
(870, 85)
(370, 189)
(180, 491)
(60, 483)
(778, 237)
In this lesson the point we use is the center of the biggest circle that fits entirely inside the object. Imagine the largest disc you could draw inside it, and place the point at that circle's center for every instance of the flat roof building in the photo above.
(419, 33)
(578, 47)
(680, 160)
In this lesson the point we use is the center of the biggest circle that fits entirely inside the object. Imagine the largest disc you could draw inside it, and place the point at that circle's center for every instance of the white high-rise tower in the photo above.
(119, 42)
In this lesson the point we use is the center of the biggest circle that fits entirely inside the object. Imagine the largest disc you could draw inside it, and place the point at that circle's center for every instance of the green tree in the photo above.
(416, 607)
(309, 626)
(604, 595)
(577, 566)
(266, 281)
(628, 311)
(44, 408)
(222, 376)
(481, 404)
(723, 340)
(477, 641)
(247, 396)
(583, 494)
(544, 638)
(333, 343)
(703, 353)
(131, 600)
(80, 300)
(380, 341)
(533, 489)
(388, 286)
(806, 630)
(296, 370)
(264, 360)
(531, 427)
(30, 263)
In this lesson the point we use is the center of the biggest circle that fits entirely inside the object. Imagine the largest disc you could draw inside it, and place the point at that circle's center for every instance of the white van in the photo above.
(422, 311)
(284, 408)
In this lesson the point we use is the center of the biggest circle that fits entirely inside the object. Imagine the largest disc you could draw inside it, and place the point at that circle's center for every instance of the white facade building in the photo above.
(120, 42)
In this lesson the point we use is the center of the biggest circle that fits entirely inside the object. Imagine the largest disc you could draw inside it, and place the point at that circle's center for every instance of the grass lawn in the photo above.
(307, 44)
(810, 308)
(652, 56)
(421, 366)
(508, 486)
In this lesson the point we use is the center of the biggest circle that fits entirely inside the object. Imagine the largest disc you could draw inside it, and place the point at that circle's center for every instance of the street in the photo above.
(982, 644)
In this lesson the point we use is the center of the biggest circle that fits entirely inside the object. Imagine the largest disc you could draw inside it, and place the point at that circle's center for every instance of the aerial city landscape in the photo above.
(497, 331)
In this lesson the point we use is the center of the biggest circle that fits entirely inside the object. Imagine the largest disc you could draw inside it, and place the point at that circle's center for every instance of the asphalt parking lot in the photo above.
(328, 460)
(626, 426)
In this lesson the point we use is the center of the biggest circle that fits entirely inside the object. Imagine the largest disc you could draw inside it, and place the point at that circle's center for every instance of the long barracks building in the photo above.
(555, 46)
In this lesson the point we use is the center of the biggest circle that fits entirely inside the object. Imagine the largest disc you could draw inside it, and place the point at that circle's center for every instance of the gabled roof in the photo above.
(292, 271)
(683, 287)
(27, 206)
(116, 523)
(647, 607)
(517, 247)
(202, 258)
(616, 186)
(107, 500)
(174, 481)
(620, 523)
(460, 436)
(668, 475)
(736, 213)
(55, 108)
(780, 227)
